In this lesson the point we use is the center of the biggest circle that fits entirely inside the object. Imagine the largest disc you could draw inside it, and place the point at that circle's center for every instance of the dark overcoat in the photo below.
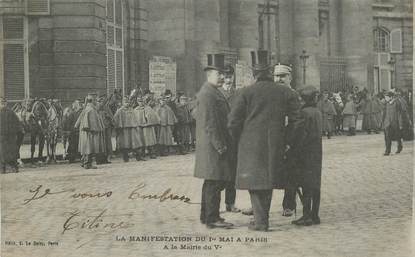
(257, 123)
(212, 136)
(9, 127)
(308, 149)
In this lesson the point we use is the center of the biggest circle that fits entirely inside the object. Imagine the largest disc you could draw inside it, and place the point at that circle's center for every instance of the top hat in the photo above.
(215, 62)
(260, 60)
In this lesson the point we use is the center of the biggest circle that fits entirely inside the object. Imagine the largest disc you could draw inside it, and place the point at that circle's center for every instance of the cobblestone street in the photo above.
(366, 209)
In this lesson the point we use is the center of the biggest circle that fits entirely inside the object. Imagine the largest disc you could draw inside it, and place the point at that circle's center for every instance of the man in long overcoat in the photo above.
(73, 138)
(127, 126)
(213, 145)
(91, 133)
(257, 122)
(10, 126)
(108, 118)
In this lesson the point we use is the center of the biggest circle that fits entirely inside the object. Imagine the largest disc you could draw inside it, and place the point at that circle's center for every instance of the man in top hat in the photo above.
(282, 76)
(91, 132)
(10, 126)
(256, 122)
(213, 154)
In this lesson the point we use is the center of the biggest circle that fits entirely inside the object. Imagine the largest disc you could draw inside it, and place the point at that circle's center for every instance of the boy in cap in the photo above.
(308, 149)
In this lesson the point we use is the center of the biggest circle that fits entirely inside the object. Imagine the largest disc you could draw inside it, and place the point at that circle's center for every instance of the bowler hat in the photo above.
(215, 62)
(260, 60)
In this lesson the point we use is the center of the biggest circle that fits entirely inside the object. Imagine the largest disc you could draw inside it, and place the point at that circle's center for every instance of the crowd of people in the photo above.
(341, 110)
(144, 125)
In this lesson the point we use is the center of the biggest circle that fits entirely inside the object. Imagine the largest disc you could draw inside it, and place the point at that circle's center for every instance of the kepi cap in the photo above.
(282, 69)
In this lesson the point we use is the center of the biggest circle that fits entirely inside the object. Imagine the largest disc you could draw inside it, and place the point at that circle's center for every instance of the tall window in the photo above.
(13, 57)
(115, 46)
(381, 40)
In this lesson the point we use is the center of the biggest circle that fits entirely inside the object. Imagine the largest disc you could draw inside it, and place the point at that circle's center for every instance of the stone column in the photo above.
(356, 39)
(306, 37)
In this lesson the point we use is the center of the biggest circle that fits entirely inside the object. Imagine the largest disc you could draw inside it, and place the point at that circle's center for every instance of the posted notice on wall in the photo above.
(162, 74)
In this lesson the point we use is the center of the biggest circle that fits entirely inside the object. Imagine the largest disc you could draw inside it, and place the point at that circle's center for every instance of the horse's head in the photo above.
(40, 110)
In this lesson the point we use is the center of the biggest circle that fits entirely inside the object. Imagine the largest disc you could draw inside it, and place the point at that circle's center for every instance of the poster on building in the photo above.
(243, 75)
(162, 74)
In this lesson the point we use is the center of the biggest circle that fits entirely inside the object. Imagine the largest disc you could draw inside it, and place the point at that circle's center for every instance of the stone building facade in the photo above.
(66, 48)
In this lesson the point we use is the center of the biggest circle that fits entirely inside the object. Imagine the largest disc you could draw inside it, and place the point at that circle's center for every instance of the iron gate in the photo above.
(333, 75)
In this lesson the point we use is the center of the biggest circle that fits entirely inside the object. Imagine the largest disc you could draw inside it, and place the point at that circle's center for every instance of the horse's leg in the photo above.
(20, 137)
(64, 141)
(33, 136)
(41, 145)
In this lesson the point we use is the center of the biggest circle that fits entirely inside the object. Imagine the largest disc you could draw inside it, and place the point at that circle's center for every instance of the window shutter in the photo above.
(118, 12)
(119, 71)
(14, 71)
(396, 41)
(13, 27)
(37, 7)
(111, 71)
(110, 10)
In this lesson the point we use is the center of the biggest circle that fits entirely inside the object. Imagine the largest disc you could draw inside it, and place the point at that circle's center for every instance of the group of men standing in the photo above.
(246, 140)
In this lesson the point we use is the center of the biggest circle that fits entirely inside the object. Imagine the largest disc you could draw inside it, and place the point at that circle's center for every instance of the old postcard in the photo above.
(206, 128)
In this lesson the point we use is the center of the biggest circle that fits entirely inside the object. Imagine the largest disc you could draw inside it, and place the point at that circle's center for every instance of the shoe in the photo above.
(232, 208)
(219, 224)
(316, 220)
(288, 212)
(399, 150)
(253, 227)
(248, 212)
(219, 219)
(386, 154)
(303, 221)
(90, 167)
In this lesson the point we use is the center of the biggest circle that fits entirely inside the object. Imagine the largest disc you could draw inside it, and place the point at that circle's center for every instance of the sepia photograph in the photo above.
(174, 128)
